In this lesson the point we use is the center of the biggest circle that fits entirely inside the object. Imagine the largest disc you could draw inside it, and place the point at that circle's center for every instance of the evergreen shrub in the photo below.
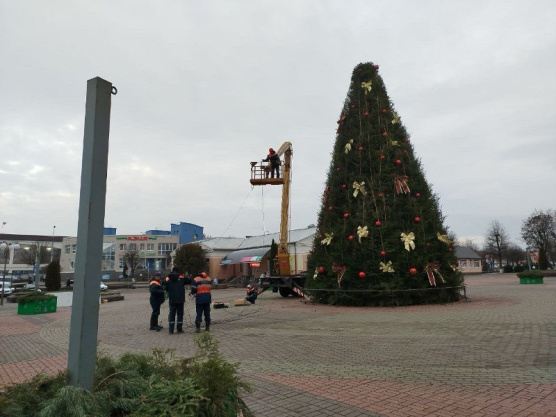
(53, 279)
(508, 268)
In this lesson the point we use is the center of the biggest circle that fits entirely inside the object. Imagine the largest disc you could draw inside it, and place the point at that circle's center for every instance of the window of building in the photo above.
(121, 263)
(463, 263)
(108, 257)
(165, 249)
(133, 246)
(141, 246)
(73, 248)
(150, 246)
(123, 246)
(72, 265)
(476, 264)
(67, 248)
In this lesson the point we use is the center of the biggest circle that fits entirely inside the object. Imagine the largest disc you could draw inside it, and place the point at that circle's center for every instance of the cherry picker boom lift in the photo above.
(285, 282)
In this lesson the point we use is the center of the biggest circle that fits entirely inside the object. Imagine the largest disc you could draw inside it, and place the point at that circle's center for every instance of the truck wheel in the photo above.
(284, 291)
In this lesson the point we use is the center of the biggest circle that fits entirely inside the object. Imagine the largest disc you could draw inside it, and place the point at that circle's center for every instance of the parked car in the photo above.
(7, 288)
(30, 287)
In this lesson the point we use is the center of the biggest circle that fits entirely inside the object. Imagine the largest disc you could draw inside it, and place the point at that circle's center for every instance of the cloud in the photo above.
(207, 87)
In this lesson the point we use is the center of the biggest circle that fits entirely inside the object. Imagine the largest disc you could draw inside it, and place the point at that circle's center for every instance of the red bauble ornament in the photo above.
(312, 251)
(406, 140)
(361, 274)
(383, 253)
(330, 208)
(417, 194)
(350, 237)
(417, 219)
(382, 157)
(360, 148)
(384, 133)
(405, 151)
(352, 106)
(346, 215)
(384, 111)
(343, 186)
(376, 66)
(412, 271)
(337, 168)
(320, 235)
(366, 113)
(380, 195)
(321, 269)
(428, 244)
(398, 161)
(450, 249)
(378, 223)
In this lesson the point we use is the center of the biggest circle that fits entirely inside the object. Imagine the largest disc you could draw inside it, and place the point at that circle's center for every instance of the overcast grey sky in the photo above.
(205, 87)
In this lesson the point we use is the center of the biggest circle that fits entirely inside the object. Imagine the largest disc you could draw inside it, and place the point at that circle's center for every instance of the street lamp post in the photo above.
(52, 245)
(6, 248)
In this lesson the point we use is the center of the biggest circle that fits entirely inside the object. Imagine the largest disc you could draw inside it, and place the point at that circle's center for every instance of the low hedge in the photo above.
(33, 296)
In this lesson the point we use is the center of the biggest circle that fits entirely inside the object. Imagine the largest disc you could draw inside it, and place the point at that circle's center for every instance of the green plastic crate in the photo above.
(38, 307)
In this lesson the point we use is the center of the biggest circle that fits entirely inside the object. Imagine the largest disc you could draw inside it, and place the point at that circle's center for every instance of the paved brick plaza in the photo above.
(494, 355)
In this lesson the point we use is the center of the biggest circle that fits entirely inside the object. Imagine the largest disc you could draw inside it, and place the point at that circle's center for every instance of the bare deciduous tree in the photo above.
(515, 254)
(132, 258)
(469, 243)
(496, 240)
(29, 254)
(539, 231)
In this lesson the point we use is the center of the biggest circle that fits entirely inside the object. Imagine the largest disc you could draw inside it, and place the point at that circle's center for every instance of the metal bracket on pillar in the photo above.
(88, 261)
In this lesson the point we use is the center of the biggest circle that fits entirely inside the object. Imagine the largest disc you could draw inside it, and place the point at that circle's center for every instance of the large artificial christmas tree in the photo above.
(381, 238)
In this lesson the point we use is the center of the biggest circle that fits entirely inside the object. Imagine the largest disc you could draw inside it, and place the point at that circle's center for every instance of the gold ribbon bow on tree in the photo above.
(341, 271)
(408, 241)
(395, 119)
(362, 232)
(368, 86)
(386, 267)
(327, 239)
(359, 188)
(443, 238)
(316, 274)
(348, 146)
(394, 143)
(431, 268)
(401, 184)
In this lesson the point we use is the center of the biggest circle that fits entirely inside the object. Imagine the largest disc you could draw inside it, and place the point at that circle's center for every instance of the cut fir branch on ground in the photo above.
(138, 385)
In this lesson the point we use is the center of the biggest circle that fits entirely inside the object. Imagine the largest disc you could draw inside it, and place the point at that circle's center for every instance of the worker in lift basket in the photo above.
(274, 160)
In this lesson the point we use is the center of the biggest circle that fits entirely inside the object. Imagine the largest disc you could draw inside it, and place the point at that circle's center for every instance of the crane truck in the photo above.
(285, 282)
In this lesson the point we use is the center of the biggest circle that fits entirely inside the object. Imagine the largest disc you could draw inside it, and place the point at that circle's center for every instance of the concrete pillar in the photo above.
(88, 260)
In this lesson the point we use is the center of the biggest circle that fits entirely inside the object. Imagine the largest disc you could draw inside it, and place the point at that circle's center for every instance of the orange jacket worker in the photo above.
(201, 287)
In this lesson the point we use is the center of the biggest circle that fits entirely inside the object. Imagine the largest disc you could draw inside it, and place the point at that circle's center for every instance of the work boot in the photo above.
(207, 327)
(198, 327)
(180, 331)
(155, 328)
(159, 328)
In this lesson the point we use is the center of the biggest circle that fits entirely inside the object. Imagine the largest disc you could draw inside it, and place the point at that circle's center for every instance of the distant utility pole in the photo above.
(88, 261)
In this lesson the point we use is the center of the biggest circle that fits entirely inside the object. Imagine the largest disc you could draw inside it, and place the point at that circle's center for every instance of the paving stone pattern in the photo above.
(493, 355)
